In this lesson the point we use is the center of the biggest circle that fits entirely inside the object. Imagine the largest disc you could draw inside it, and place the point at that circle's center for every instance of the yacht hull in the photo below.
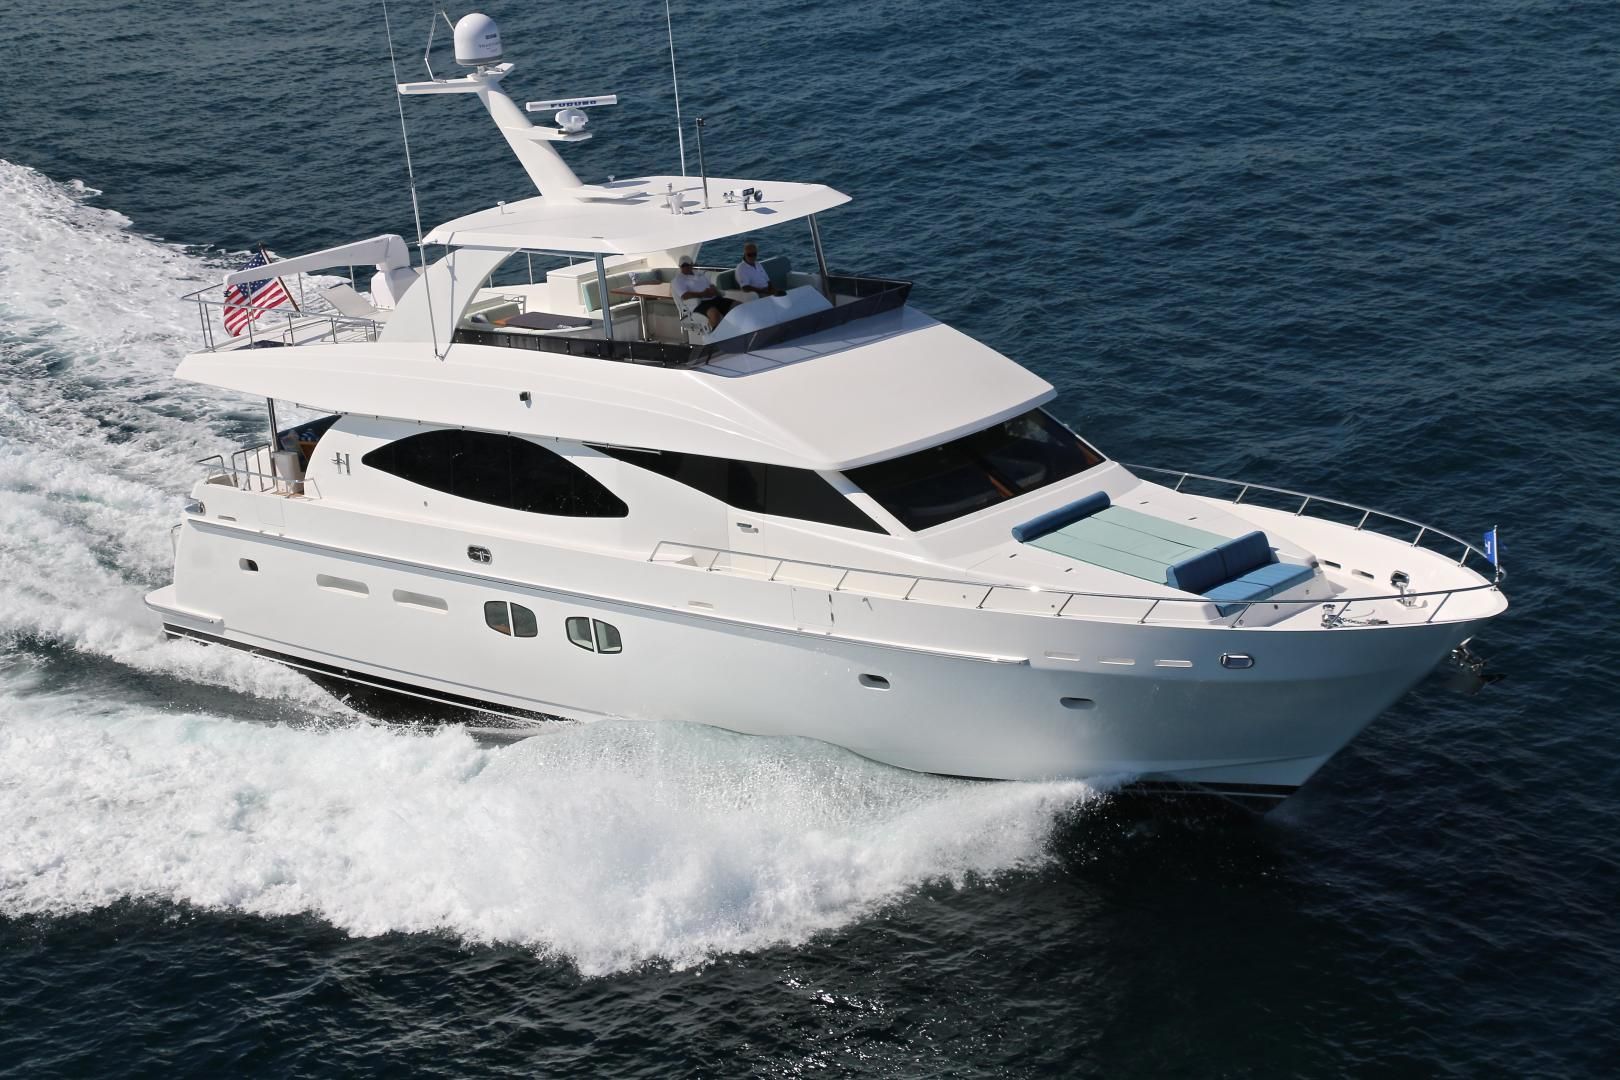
(1035, 697)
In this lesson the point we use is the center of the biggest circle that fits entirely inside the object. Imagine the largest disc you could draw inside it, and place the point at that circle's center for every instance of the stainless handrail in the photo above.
(1057, 610)
(208, 297)
(244, 478)
(1366, 512)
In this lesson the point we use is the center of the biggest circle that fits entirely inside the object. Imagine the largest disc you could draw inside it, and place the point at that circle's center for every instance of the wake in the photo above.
(606, 845)
(96, 437)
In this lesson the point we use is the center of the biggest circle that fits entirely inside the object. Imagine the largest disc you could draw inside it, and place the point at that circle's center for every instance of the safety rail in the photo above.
(244, 477)
(283, 325)
(1306, 501)
(1034, 600)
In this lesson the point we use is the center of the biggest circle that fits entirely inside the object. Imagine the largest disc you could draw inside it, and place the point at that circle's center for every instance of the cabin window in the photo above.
(957, 478)
(593, 635)
(513, 620)
(747, 485)
(501, 470)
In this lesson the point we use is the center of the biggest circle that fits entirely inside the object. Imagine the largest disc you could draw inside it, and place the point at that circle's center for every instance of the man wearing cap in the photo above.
(692, 284)
(751, 277)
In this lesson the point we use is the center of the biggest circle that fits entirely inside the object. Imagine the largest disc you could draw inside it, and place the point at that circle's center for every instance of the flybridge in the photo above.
(622, 244)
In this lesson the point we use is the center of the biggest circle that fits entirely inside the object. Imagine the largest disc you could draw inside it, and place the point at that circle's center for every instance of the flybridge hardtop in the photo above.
(636, 218)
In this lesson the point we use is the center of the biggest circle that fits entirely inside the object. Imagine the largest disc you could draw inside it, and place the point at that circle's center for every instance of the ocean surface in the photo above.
(1370, 250)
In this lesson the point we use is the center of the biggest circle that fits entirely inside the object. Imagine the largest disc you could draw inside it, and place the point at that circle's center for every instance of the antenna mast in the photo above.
(410, 173)
(680, 131)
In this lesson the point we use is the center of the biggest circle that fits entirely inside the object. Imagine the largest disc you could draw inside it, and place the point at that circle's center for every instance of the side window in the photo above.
(513, 620)
(594, 635)
(579, 632)
(501, 470)
(747, 485)
(496, 617)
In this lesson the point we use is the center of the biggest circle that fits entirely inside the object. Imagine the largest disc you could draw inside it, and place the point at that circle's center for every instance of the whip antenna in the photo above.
(410, 173)
(680, 132)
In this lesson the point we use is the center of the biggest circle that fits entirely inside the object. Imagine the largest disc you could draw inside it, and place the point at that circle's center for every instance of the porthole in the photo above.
(513, 620)
(249, 565)
(497, 617)
(579, 633)
(593, 635)
(1080, 703)
(874, 682)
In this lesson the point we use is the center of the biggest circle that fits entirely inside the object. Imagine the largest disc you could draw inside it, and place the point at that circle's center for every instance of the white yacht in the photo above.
(546, 487)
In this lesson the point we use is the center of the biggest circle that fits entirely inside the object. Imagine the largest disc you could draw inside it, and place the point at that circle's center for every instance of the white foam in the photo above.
(609, 845)
(95, 434)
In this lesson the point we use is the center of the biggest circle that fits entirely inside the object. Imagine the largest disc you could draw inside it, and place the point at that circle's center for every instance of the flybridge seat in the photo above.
(778, 267)
(1231, 572)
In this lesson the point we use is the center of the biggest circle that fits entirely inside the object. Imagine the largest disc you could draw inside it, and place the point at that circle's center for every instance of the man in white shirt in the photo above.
(751, 277)
(691, 284)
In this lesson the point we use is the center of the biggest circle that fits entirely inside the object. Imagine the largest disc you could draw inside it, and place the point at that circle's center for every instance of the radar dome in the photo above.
(478, 41)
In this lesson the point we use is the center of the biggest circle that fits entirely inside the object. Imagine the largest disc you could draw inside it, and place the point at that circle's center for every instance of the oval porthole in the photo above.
(1237, 660)
(874, 682)
(249, 565)
(1077, 703)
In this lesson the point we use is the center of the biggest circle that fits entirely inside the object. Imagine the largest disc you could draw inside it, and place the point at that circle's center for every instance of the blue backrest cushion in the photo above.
(1248, 552)
(1196, 573)
(1053, 520)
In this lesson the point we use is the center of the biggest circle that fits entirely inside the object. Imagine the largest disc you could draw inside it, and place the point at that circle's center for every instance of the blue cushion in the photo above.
(1278, 576)
(1053, 520)
(1237, 594)
(1196, 573)
(1245, 553)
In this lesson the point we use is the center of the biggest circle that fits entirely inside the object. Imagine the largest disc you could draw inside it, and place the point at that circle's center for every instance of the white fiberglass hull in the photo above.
(1160, 707)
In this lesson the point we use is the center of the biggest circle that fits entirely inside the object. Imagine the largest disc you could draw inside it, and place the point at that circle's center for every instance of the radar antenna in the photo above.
(478, 46)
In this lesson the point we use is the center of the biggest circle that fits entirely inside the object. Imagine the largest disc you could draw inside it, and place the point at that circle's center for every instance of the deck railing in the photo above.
(1368, 514)
(1028, 599)
(239, 470)
(272, 326)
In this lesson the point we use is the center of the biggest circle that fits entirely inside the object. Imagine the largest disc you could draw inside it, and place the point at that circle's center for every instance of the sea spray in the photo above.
(608, 845)
(97, 438)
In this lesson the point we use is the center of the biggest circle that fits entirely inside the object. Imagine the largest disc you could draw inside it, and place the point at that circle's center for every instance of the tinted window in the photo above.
(1001, 462)
(748, 485)
(607, 637)
(496, 618)
(523, 622)
(579, 632)
(501, 470)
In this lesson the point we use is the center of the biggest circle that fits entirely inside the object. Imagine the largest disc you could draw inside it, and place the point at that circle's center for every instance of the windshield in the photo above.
(1001, 462)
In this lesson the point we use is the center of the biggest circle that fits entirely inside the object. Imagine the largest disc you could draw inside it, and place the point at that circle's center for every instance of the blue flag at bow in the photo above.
(1493, 550)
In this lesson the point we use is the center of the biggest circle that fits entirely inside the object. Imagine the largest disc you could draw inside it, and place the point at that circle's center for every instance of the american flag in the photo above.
(246, 301)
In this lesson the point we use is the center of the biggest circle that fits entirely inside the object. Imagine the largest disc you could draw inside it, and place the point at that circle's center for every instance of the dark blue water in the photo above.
(1368, 250)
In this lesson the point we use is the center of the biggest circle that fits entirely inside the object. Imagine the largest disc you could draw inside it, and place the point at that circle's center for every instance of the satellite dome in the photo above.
(478, 41)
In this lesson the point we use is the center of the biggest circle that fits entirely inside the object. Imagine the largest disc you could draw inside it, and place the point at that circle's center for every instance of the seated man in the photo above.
(692, 284)
(751, 277)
